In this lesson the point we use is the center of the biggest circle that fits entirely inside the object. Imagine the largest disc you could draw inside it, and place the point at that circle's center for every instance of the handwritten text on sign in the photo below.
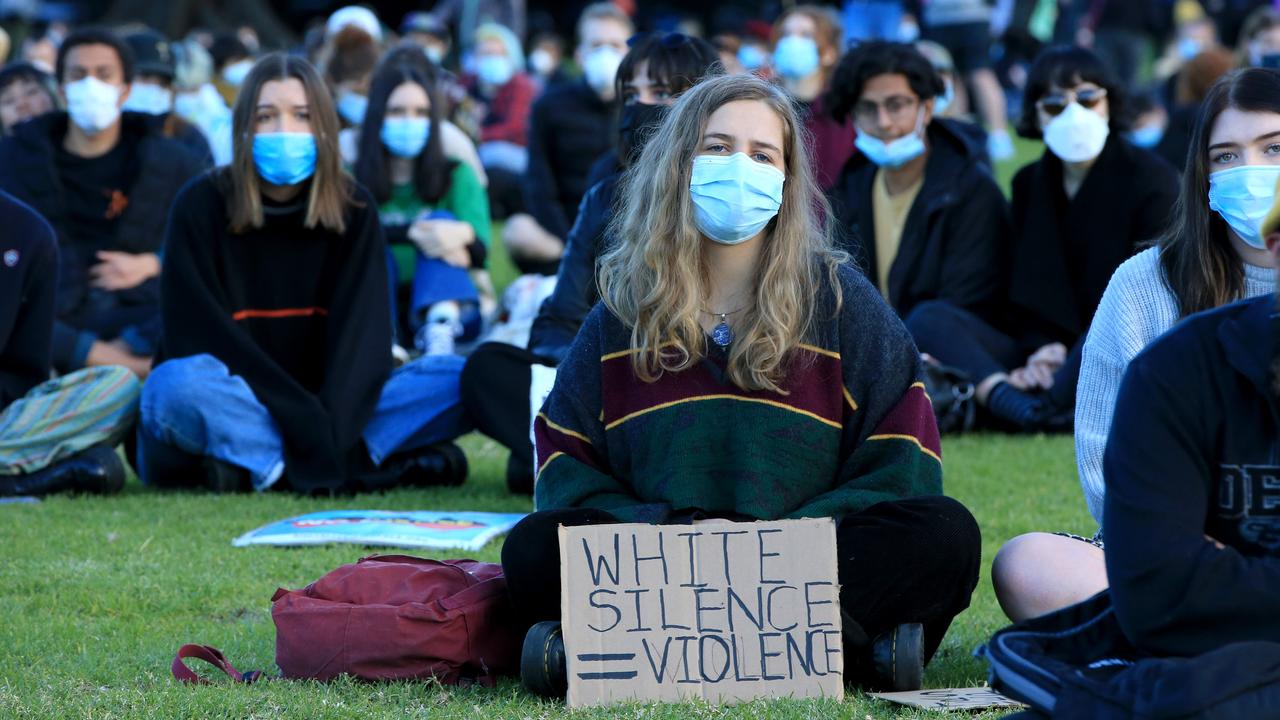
(717, 610)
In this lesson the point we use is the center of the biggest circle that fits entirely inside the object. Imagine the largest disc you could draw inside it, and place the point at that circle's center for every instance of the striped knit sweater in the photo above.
(853, 426)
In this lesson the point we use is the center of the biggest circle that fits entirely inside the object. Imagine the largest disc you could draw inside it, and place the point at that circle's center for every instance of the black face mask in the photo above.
(636, 124)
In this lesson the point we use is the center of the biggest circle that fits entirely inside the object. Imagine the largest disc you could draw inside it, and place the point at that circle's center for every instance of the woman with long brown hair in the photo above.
(276, 339)
(1213, 254)
(738, 368)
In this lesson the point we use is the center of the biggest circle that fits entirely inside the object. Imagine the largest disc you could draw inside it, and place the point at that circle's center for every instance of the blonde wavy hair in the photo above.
(655, 277)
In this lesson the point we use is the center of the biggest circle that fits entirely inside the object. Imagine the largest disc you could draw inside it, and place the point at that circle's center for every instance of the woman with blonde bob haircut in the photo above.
(737, 368)
(275, 368)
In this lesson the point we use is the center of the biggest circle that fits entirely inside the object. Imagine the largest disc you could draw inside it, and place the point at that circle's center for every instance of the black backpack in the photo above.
(1076, 664)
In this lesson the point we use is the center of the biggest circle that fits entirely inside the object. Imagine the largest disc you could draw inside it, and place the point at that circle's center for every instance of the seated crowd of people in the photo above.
(241, 270)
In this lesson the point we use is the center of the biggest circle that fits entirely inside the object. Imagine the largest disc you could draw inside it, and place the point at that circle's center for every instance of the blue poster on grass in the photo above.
(413, 529)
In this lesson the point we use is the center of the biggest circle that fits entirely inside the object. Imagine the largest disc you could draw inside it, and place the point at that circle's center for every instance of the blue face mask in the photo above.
(943, 101)
(1147, 137)
(284, 158)
(405, 137)
(352, 106)
(751, 57)
(795, 57)
(895, 153)
(494, 70)
(734, 197)
(1243, 196)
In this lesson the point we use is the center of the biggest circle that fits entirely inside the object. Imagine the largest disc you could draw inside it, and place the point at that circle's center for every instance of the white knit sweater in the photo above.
(1136, 308)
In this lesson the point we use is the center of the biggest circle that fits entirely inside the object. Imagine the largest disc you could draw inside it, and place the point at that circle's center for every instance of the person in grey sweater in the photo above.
(1213, 254)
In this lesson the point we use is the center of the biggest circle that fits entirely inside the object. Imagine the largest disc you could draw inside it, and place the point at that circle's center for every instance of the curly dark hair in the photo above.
(878, 57)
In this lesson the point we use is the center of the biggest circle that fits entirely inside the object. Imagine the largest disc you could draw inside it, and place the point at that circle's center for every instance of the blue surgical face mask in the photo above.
(284, 158)
(751, 57)
(1147, 137)
(943, 101)
(734, 197)
(796, 57)
(405, 137)
(1243, 196)
(896, 152)
(1188, 48)
(352, 106)
(494, 70)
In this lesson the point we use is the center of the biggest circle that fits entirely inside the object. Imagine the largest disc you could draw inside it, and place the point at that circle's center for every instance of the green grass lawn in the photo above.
(98, 593)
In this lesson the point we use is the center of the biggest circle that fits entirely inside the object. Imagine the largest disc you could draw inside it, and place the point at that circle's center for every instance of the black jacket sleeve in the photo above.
(1175, 592)
(978, 250)
(358, 350)
(541, 187)
(196, 317)
(564, 310)
(25, 356)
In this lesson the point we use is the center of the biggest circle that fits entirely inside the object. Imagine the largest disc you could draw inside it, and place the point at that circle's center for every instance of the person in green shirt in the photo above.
(434, 210)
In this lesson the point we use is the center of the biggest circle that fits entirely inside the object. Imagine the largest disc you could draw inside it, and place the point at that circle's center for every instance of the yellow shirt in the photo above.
(890, 212)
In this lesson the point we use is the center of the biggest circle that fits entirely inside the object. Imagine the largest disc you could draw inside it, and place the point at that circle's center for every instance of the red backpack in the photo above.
(390, 617)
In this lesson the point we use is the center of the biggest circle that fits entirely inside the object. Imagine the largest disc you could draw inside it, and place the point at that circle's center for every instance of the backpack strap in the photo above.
(214, 657)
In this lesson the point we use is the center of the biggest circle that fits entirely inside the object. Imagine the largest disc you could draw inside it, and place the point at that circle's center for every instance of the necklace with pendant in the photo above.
(722, 334)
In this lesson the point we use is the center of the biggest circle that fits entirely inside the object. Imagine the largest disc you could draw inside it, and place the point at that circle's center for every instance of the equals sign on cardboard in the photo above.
(611, 674)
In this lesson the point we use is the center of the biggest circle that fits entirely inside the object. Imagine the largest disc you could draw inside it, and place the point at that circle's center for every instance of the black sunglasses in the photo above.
(1053, 105)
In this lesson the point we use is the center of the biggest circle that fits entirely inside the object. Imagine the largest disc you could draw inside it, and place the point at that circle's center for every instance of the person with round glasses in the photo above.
(917, 205)
(1089, 203)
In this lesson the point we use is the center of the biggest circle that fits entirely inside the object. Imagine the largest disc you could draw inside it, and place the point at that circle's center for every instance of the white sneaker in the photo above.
(436, 338)
(999, 145)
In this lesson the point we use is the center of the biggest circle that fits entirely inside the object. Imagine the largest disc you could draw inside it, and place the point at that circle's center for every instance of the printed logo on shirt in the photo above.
(11, 258)
(116, 204)
(1250, 496)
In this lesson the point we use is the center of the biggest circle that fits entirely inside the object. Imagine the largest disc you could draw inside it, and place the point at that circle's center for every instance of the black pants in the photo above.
(911, 560)
(495, 396)
(961, 339)
(506, 194)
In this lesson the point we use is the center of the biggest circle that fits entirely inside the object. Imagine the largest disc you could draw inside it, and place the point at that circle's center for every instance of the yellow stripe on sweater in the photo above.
(911, 439)
(739, 398)
(563, 430)
(553, 456)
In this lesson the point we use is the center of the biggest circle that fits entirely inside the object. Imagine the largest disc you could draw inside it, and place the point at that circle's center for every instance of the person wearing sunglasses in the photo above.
(1213, 253)
(917, 205)
(1079, 211)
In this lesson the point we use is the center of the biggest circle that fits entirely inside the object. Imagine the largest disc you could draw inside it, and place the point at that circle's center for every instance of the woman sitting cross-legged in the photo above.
(276, 338)
(738, 369)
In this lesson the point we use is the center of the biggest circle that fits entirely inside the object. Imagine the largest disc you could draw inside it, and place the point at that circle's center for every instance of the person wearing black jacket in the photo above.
(55, 435)
(275, 363)
(105, 181)
(569, 127)
(497, 378)
(152, 93)
(1085, 207)
(1193, 531)
(917, 208)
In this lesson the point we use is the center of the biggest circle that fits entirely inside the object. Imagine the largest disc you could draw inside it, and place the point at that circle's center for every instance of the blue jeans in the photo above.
(871, 20)
(196, 407)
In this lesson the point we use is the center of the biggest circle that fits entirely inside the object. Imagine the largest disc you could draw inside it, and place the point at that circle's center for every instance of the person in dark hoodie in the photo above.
(105, 181)
(917, 207)
(497, 378)
(276, 356)
(1085, 207)
(55, 435)
(1193, 531)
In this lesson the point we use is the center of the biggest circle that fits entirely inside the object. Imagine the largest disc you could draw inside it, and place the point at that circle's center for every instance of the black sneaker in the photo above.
(98, 470)
(221, 477)
(543, 666)
(897, 658)
(440, 464)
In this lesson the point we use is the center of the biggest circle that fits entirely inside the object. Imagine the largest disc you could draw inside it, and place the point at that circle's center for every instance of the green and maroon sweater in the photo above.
(854, 426)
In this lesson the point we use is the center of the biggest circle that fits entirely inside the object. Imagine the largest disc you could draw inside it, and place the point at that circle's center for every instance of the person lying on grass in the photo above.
(739, 368)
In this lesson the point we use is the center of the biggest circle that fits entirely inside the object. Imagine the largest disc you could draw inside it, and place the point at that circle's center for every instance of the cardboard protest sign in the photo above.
(980, 698)
(718, 610)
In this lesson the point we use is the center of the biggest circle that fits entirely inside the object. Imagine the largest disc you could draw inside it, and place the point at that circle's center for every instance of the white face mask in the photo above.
(92, 104)
(149, 98)
(541, 62)
(600, 67)
(236, 72)
(1076, 134)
